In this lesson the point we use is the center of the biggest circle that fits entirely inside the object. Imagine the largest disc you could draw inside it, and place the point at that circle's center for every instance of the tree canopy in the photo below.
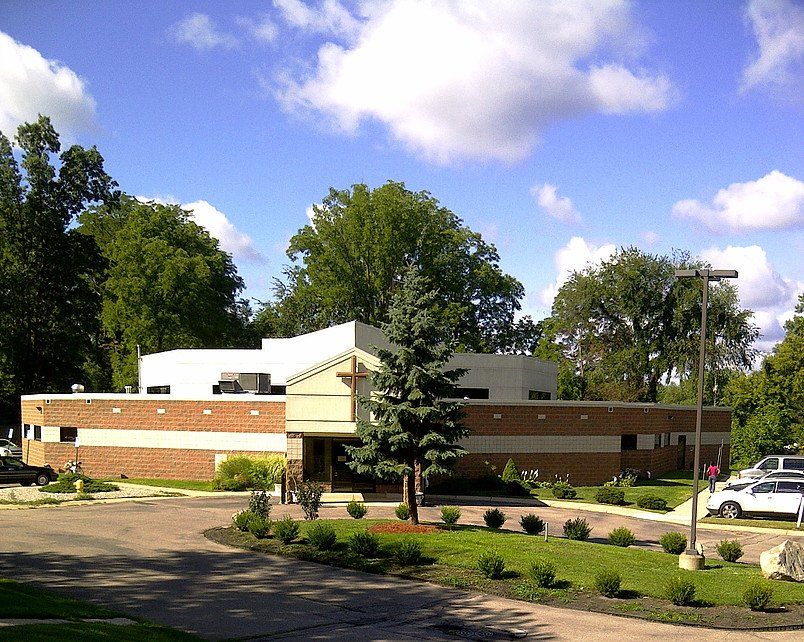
(348, 263)
(412, 428)
(627, 325)
(168, 284)
(49, 331)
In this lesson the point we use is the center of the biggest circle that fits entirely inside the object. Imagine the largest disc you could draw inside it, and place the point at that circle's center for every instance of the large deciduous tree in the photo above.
(49, 333)
(168, 284)
(628, 324)
(412, 428)
(349, 260)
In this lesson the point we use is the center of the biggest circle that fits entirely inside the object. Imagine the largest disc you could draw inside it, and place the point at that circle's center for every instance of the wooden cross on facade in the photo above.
(353, 376)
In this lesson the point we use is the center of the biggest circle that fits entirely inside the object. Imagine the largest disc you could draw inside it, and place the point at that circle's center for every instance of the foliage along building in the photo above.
(298, 397)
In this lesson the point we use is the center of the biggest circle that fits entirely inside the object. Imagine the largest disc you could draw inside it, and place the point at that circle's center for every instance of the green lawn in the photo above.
(23, 601)
(675, 488)
(787, 525)
(453, 558)
(183, 484)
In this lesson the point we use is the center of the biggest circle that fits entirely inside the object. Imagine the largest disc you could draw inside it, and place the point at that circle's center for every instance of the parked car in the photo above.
(9, 449)
(771, 463)
(14, 471)
(776, 474)
(764, 497)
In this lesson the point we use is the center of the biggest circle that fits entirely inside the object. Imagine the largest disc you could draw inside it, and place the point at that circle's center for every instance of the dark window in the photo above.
(278, 390)
(216, 389)
(764, 487)
(37, 433)
(68, 434)
(471, 393)
(794, 464)
(790, 487)
(770, 464)
(657, 441)
(628, 442)
(158, 390)
(538, 395)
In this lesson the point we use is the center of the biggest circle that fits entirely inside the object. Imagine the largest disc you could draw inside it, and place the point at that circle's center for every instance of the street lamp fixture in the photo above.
(691, 559)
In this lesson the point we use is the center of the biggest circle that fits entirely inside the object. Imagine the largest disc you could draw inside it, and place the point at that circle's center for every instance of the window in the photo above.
(666, 441)
(772, 463)
(37, 433)
(794, 464)
(158, 390)
(216, 389)
(628, 442)
(764, 487)
(68, 435)
(657, 441)
(471, 393)
(538, 395)
(790, 487)
(278, 390)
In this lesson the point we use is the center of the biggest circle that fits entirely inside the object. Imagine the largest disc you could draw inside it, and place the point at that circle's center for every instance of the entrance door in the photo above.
(343, 477)
(682, 452)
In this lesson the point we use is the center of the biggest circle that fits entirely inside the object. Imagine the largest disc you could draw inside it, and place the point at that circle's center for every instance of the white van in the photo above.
(771, 463)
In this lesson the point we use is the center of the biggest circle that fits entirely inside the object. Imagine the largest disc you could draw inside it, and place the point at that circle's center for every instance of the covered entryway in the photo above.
(326, 461)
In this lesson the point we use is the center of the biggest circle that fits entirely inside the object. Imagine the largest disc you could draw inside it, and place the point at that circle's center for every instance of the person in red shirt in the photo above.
(712, 472)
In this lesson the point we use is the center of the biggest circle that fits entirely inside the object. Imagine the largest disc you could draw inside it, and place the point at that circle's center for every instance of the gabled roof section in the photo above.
(369, 359)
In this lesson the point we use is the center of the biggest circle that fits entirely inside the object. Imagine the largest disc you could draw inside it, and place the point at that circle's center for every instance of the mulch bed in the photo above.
(401, 527)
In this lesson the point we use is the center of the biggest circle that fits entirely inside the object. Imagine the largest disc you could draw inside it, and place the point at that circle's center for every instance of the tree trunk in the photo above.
(411, 496)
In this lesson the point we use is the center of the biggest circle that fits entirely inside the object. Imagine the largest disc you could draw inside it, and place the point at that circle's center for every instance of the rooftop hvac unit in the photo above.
(236, 382)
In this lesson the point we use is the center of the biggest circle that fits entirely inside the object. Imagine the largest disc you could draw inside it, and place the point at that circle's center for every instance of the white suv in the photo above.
(764, 497)
(773, 462)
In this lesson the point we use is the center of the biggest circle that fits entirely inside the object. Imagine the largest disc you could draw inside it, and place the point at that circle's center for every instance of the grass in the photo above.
(675, 488)
(456, 552)
(27, 602)
(182, 484)
(756, 523)
(45, 501)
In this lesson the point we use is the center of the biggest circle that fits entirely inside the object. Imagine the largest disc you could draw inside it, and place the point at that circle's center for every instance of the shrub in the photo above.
(258, 526)
(511, 472)
(494, 518)
(532, 524)
(408, 552)
(286, 529)
(66, 484)
(308, 495)
(364, 544)
(680, 591)
(543, 573)
(321, 536)
(607, 583)
(356, 509)
(258, 503)
(730, 550)
(491, 564)
(622, 536)
(402, 511)
(674, 543)
(577, 528)
(758, 596)
(610, 495)
(267, 472)
(516, 488)
(240, 520)
(564, 490)
(450, 515)
(652, 502)
(242, 472)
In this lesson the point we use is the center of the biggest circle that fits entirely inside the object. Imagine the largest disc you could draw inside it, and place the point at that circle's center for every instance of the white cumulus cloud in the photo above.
(31, 85)
(329, 17)
(199, 31)
(771, 296)
(559, 207)
(576, 255)
(775, 201)
(778, 26)
(474, 79)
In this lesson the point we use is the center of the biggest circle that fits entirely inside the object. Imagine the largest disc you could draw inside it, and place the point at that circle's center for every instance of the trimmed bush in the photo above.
(622, 536)
(321, 535)
(680, 591)
(258, 526)
(450, 515)
(577, 529)
(259, 504)
(610, 495)
(242, 472)
(673, 542)
(402, 511)
(651, 502)
(364, 544)
(308, 495)
(511, 472)
(66, 484)
(730, 550)
(494, 518)
(758, 596)
(356, 509)
(543, 573)
(240, 520)
(607, 583)
(563, 490)
(491, 564)
(408, 552)
(286, 529)
(532, 524)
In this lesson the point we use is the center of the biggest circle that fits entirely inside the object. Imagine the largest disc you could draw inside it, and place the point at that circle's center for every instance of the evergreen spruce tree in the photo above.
(412, 428)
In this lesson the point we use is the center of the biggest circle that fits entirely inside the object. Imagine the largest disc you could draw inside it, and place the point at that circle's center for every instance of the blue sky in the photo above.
(559, 130)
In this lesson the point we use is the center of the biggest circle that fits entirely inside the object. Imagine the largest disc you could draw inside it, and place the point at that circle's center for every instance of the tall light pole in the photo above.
(691, 559)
